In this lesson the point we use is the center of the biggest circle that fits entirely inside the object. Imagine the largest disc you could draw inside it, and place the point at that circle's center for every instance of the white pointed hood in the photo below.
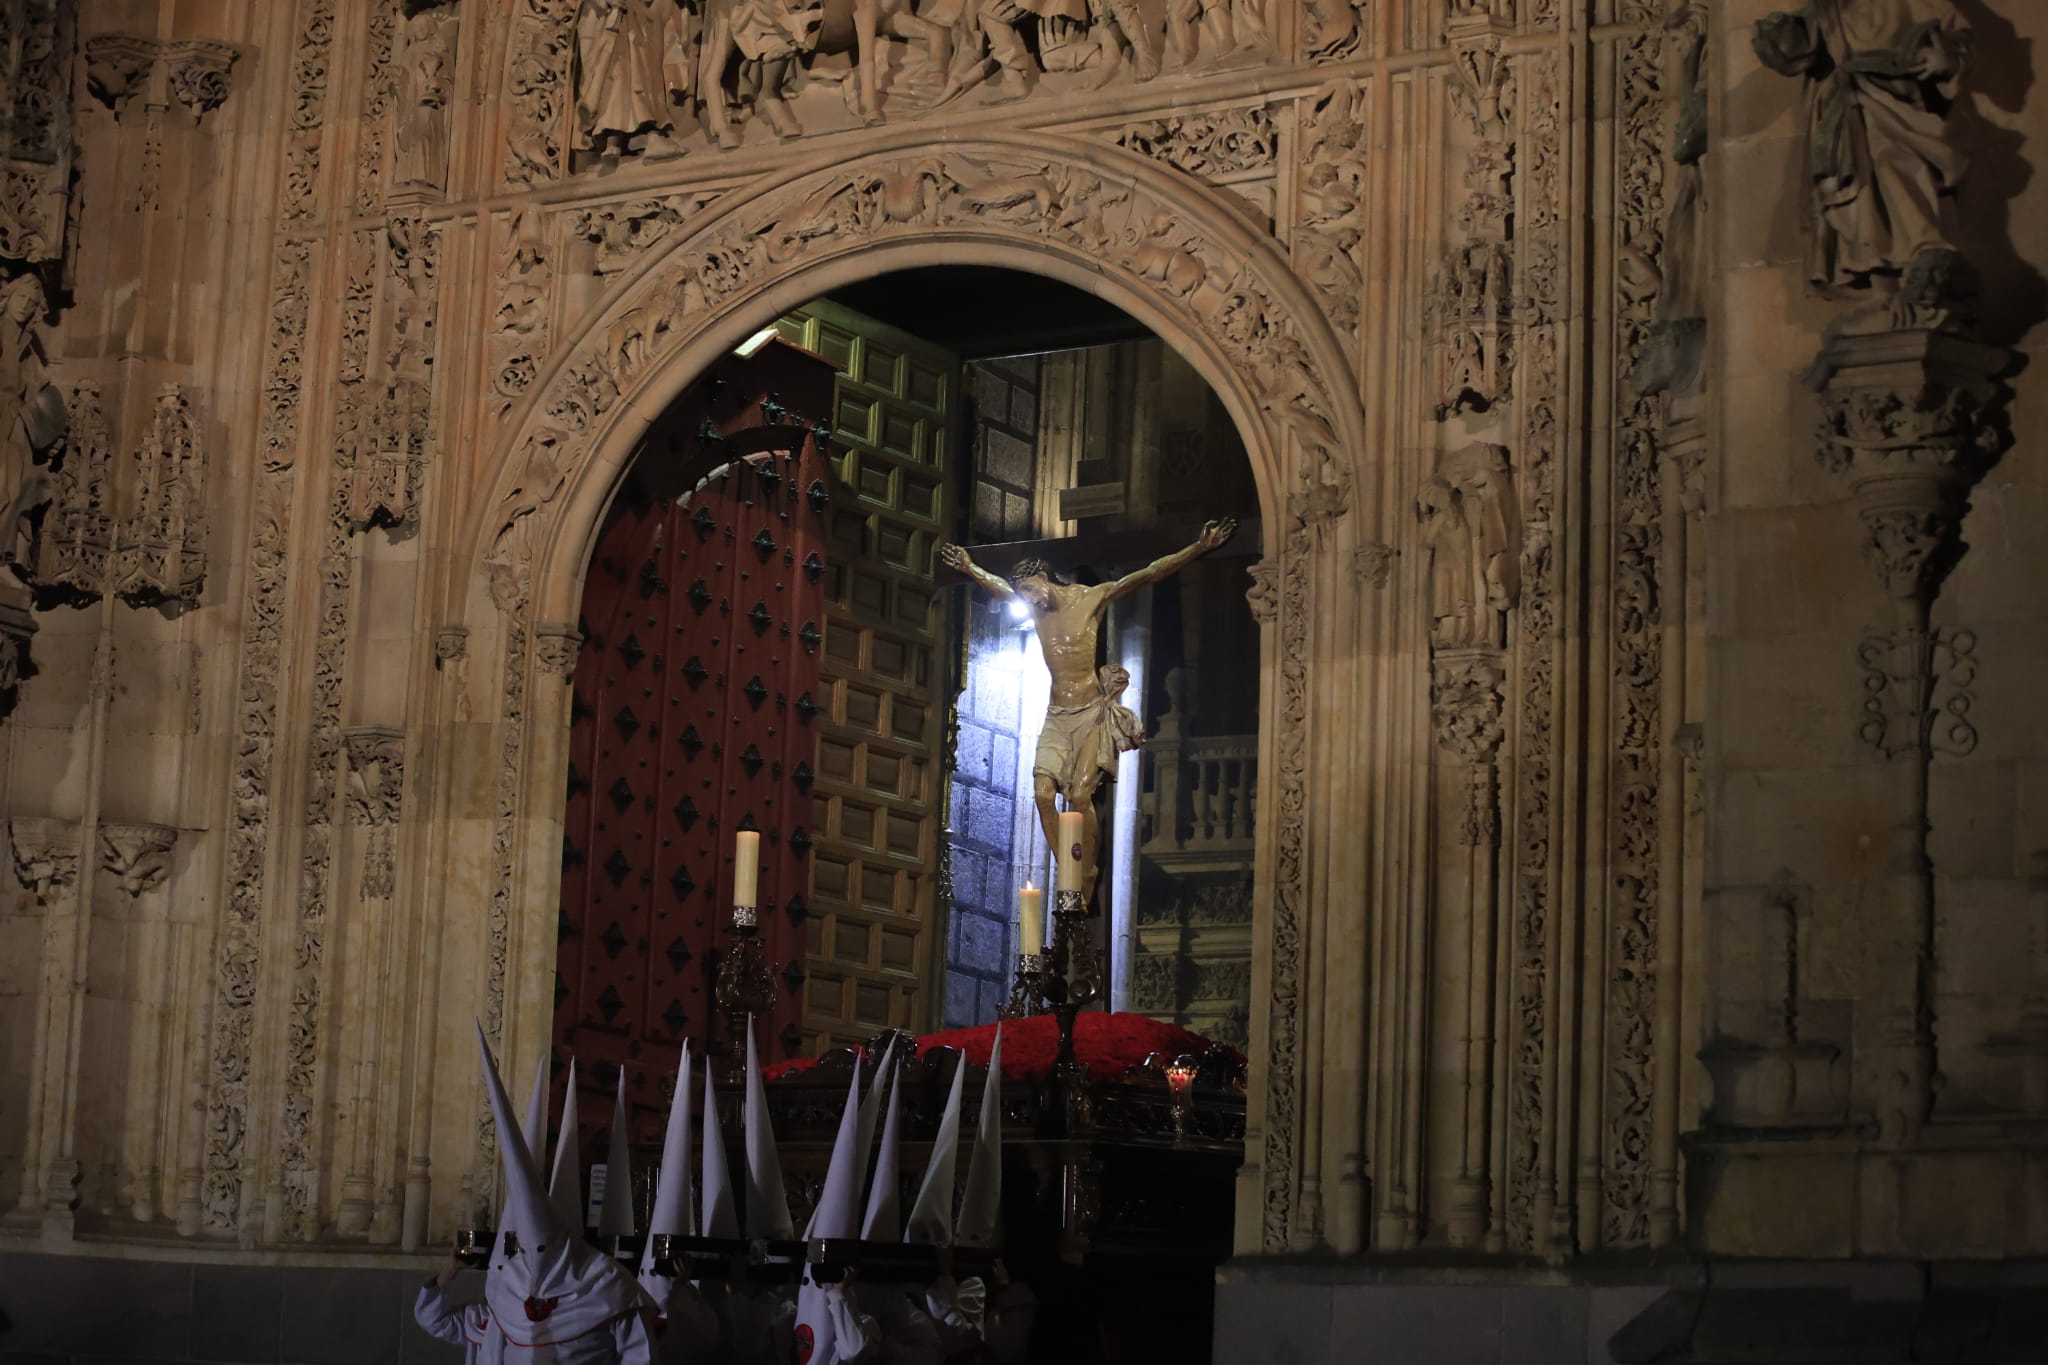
(721, 1219)
(671, 1213)
(883, 1221)
(565, 1186)
(554, 1287)
(871, 1108)
(615, 1214)
(534, 1128)
(982, 1205)
(931, 1217)
(838, 1211)
(767, 1210)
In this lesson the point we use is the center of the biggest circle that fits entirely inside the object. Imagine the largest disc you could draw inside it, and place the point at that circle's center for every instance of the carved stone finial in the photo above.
(45, 853)
(136, 856)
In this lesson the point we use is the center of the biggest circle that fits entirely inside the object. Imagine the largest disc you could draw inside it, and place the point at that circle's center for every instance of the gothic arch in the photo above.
(1167, 249)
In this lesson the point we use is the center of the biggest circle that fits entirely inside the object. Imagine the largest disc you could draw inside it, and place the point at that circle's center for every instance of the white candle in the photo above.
(1030, 920)
(1069, 851)
(746, 867)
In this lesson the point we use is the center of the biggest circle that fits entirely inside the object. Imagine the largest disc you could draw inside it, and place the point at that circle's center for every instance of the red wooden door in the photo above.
(694, 717)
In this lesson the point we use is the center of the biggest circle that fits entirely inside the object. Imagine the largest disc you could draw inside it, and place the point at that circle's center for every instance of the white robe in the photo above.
(622, 1340)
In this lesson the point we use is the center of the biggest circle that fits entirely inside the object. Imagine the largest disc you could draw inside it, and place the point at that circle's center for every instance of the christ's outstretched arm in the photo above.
(1213, 535)
(953, 557)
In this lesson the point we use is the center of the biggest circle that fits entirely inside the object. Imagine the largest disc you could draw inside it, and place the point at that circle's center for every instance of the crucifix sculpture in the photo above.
(1086, 727)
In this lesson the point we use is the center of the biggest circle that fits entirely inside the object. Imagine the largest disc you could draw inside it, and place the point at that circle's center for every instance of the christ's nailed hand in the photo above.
(1216, 532)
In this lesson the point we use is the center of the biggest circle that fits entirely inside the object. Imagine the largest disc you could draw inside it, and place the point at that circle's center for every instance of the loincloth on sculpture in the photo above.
(1080, 741)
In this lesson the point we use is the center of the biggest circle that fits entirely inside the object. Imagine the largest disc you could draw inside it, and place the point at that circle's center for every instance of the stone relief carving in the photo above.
(537, 80)
(36, 146)
(376, 787)
(390, 470)
(1331, 221)
(1059, 204)
(451, 644)
(1638, 734)
(631, 55)
(1880, 79)
(1263, 594)
(45, 854)
(1373, 564)
(193, 71)
(1211, 145)
(426, 82)
(555, 649)
(374, 133)
(137, 857)
(1530, 1219)
(32, 414)
(308, 107)
(519, 322)
(1674, 355)
(622, 232)
(1471, 526)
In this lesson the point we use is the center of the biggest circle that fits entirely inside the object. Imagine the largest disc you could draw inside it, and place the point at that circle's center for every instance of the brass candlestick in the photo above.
(745, 988)
(1026, 997)
(1072, 979)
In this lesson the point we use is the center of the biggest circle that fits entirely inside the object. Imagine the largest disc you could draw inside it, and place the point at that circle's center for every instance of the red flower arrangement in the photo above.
(1104, 1043)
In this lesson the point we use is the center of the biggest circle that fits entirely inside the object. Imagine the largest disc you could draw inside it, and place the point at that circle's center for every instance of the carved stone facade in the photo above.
(1632, 867)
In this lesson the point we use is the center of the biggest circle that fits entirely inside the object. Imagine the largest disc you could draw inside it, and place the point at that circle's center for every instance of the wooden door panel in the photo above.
(877, 802)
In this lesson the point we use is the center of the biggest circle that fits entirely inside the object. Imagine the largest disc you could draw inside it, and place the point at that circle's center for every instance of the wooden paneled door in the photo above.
(876, 926)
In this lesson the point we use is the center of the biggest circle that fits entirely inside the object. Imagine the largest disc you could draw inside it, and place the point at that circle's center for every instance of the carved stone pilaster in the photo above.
(376, 789)
(136, 856)
(45, 854)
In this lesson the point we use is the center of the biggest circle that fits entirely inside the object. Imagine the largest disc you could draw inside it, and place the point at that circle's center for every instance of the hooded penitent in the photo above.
(671, 1213)
(767, 1210)
(883, 1221)
(720, 1218)
(565, 1186)
(535, 1126)
(981, 1204)
(822, 1312)
(553, 1288)
(864, 1134)
(615, 1214)
(931, 1217)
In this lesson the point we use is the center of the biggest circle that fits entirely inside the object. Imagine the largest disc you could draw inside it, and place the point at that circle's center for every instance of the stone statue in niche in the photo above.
(1085, 725)
(1880, 78)
(629, 55)
(1672, 361)
(1470, 527)
(32, 416)
(426, 78)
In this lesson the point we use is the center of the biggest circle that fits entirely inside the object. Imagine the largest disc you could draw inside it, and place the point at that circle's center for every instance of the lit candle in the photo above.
(1030, 919)
(1069, 851)
(746, 867)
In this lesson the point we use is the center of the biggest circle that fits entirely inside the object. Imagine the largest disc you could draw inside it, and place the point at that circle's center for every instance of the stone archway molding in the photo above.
(1168, 249)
